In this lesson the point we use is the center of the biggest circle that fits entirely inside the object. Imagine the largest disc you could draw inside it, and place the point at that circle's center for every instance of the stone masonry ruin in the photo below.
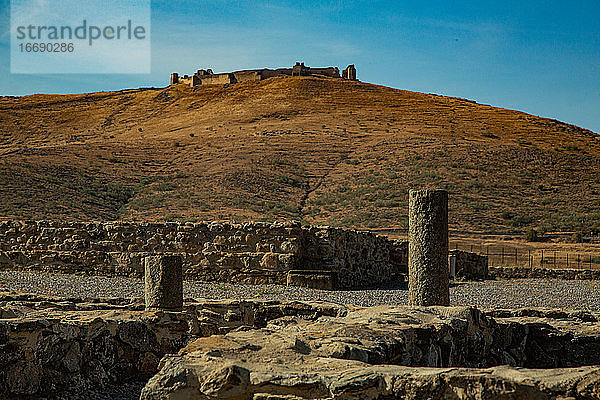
(254, 253)
(323, 351)
(171, 348)
(208, 77)
(251, 253)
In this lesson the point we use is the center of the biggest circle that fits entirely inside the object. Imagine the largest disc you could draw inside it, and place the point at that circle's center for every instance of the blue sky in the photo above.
(541, 57)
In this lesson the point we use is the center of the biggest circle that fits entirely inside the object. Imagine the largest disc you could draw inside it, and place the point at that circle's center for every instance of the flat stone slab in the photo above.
(314, 279)
(371, 353)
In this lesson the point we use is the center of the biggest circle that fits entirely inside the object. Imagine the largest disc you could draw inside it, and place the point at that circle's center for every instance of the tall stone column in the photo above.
(428, 281)
(163, 282)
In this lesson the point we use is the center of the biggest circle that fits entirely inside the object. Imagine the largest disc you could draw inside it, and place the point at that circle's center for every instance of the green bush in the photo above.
(288, 180)
(165, 187)
(577, 238)
(531, 236)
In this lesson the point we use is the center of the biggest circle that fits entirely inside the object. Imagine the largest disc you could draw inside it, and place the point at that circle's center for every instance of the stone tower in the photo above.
(349, 73)
(174, 78)
(299, 69)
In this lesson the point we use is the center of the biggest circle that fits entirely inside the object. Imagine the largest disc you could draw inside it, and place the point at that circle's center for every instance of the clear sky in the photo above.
(541, 57)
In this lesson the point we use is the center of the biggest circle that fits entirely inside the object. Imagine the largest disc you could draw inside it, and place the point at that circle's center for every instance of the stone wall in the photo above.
(375, 353)
(244, 253)
(469, 265)
(332, 72)
(217, 79)
(245, 76)
(270, 73)
(203, 77)
(543, 273)
(357, 258)
(188, 80)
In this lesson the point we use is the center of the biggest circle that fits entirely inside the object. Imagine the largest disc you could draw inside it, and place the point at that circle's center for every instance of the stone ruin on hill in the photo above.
(208, 77)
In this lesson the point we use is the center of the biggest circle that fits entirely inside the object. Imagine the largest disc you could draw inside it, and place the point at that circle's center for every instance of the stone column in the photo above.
(428, 282)
(164, 283)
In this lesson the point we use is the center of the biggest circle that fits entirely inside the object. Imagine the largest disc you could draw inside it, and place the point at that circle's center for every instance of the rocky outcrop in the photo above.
(372, 354)
(243, 253)
(346, 380)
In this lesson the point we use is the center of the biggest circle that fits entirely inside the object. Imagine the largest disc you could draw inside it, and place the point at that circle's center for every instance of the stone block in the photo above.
(163, 282)
(314, 279)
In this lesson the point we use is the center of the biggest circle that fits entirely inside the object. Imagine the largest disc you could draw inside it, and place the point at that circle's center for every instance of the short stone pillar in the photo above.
(428, 281)
(163, 283)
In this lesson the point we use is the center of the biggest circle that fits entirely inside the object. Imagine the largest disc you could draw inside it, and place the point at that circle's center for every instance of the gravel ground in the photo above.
(581, 295)
(124, 391)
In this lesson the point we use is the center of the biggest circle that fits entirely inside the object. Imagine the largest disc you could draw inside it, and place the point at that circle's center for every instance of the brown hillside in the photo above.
(320, 150)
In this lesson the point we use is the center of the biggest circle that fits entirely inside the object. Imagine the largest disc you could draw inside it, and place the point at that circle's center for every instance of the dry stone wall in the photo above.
(54, 344)
(469, 265)
(543, 273)
(243, 253)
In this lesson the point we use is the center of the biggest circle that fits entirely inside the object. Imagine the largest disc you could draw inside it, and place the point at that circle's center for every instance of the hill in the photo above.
(322, 151)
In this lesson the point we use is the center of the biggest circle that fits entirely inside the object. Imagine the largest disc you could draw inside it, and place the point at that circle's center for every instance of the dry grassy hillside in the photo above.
(319, 150)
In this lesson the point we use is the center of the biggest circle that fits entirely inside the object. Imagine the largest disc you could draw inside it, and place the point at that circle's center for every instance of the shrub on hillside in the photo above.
(531, 236)
(577, 238)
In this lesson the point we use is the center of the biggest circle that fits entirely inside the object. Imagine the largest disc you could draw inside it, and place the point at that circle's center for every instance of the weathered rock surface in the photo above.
(371, 354)
(204, 379)
(273, 350)
(50, 344)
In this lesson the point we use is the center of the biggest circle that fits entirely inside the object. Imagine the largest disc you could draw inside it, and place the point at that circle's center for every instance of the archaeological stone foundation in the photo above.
(254, 253)
(168, 348)
(267, 350)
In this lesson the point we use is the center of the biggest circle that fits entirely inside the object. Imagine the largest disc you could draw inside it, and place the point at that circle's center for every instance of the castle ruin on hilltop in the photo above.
(207, 77)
